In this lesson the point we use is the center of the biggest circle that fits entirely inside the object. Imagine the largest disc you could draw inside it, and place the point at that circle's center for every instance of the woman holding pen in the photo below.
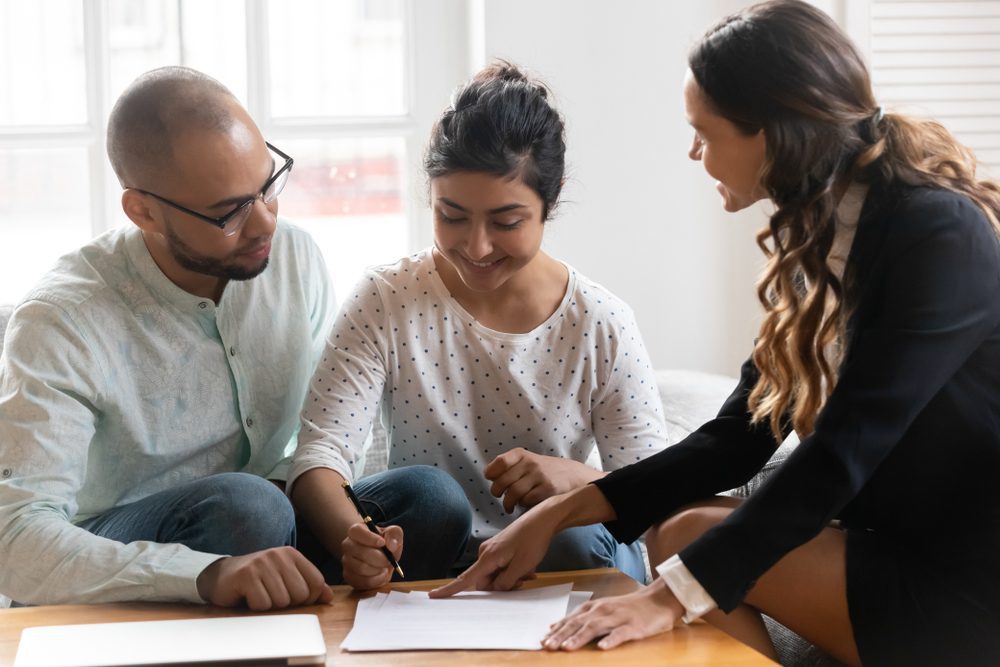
(495, 367)
(879, 538)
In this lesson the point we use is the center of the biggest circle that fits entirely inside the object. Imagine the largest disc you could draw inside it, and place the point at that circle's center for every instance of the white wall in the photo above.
(639, 216)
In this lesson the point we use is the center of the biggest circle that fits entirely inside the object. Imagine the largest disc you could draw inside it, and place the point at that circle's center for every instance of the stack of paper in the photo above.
(472, 620)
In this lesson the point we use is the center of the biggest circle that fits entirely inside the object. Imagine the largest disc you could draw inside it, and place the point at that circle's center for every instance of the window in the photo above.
(938, 59)
(348, 88)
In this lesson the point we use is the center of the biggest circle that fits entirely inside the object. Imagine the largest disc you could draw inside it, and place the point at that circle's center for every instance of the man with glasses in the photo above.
(150, 385)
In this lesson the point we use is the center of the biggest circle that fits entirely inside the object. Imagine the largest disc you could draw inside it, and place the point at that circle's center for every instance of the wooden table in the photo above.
(695, 644)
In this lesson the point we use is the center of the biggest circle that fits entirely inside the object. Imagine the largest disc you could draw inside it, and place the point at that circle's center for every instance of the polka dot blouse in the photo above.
(455, 394)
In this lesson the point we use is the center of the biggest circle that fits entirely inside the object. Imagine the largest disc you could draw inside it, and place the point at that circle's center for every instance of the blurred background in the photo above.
(350, 89)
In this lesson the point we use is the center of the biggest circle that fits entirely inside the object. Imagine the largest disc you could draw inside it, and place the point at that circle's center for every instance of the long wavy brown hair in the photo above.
(784, 67)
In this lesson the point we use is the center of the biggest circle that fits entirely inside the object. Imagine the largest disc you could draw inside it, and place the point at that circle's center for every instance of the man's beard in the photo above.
(192, 261)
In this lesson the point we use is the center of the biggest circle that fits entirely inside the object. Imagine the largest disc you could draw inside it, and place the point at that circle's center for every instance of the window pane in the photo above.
(43, 77)
(44, 213)
(337, 58)
(349, 195)
(145, 34)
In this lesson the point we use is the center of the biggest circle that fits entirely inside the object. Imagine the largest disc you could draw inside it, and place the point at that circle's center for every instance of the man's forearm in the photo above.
(47, 560)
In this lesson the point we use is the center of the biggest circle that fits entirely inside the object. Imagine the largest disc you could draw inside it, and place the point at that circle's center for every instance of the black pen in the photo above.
(371, 526)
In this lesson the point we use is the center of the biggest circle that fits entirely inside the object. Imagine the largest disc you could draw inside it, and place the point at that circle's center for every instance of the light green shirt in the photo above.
(116, 384)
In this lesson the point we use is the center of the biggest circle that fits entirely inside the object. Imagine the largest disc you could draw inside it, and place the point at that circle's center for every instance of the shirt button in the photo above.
(203, 305)
(232, 352)
(249, 421)
(6, 473)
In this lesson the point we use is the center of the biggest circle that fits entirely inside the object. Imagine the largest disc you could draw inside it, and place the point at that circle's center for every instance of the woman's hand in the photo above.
(650, 610)
(364, 565)
(508, 558)
(525, 478)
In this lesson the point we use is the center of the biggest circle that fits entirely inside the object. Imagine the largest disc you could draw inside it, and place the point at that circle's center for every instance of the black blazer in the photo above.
(908, 444)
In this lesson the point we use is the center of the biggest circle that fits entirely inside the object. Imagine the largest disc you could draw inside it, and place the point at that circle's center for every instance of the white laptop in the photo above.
(285, 639)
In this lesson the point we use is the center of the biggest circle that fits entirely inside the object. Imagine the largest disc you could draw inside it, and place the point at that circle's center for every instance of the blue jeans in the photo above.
(586, 547)
(430, 507)
(229, 513)
(436, 518)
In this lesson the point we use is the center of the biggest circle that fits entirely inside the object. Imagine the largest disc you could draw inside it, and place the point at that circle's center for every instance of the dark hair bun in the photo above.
(501, 122)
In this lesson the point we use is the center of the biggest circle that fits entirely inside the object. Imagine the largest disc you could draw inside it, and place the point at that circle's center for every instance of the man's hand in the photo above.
(525, 478)
(364, 565)
(270, 579)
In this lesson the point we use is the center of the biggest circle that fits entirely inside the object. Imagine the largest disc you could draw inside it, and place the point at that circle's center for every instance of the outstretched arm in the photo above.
(510, 557)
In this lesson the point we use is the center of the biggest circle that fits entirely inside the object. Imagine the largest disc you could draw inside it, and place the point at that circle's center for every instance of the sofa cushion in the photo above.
(691, 398)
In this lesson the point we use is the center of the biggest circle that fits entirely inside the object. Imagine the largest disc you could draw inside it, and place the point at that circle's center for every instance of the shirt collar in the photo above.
(848, 215)
(158, 283)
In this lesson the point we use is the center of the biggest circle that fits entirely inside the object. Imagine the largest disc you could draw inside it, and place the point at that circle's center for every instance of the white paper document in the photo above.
(472, 620)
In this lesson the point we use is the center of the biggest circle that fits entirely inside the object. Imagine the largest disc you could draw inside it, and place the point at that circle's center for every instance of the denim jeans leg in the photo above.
(230, 513)
(588, 547)
(430, 507)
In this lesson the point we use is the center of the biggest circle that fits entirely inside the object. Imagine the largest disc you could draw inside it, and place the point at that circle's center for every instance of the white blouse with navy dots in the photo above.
(455, 394)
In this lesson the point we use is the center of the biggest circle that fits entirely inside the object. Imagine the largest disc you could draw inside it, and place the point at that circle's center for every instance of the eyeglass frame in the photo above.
(220, 222)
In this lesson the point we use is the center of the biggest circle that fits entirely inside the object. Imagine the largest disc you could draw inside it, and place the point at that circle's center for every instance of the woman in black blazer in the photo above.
(878, 539)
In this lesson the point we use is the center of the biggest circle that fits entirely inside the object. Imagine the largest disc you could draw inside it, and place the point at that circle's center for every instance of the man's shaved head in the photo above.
(153, 111)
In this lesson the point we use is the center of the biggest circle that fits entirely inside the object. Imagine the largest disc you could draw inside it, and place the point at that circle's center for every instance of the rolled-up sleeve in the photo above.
(346, 390)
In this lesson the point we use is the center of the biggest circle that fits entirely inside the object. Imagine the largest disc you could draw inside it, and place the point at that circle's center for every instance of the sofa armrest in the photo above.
(690, 398)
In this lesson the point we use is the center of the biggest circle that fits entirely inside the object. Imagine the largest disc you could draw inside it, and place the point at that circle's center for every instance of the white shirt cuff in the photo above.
(696, 600)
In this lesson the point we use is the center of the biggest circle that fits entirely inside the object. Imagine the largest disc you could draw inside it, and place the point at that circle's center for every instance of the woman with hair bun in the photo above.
(878, 539)
(497, 367)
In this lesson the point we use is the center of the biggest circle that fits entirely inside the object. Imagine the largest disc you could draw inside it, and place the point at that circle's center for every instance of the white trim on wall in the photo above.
(938, 59)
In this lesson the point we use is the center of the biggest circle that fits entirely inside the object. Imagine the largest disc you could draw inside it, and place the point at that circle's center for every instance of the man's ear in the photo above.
(136, 207)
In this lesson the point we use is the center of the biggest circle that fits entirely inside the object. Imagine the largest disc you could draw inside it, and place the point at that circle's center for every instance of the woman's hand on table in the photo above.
(648, 611)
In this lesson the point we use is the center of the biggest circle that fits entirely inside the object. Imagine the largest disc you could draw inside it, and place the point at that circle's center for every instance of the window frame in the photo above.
(437, 59)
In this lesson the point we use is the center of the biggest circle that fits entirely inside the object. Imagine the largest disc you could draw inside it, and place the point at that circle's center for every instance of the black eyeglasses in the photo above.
(233, 221)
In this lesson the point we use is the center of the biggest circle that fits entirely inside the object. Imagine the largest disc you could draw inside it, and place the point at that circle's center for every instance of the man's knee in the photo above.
(243, 513)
